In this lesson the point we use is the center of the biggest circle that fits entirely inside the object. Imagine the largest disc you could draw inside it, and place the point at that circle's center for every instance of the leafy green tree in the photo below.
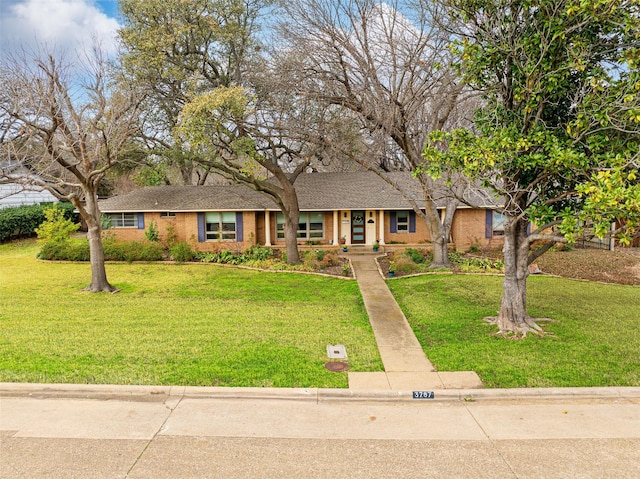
(177, 49)
(558, 135)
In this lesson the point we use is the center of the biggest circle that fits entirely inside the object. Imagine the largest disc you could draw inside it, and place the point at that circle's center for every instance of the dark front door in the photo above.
(357, 227)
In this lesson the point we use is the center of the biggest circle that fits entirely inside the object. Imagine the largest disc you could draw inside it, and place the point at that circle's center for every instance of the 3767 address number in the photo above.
(423, 395)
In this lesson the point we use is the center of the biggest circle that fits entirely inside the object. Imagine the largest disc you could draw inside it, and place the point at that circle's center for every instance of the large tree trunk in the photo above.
(439, 245)
(91, 214)
(291, 211)
(513, 317)
(439, 233)
(291, 237)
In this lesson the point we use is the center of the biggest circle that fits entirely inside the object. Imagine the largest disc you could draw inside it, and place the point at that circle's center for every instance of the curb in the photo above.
(166, 393)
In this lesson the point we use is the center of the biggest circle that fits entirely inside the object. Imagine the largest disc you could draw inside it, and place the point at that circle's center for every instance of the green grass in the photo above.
(202, 324)
(189, 324)
(595, 341)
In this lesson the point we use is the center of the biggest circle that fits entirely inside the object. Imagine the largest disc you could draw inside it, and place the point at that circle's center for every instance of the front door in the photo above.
(357, 227)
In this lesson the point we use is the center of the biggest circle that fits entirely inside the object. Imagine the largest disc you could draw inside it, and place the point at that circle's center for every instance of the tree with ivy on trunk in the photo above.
(217, 125)
(65, 128)
(558, 135)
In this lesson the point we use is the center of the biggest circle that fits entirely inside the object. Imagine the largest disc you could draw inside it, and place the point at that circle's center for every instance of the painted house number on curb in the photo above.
(423, 395)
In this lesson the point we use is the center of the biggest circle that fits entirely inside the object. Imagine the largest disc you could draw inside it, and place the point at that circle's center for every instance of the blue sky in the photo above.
(65, 24)
(110, 7)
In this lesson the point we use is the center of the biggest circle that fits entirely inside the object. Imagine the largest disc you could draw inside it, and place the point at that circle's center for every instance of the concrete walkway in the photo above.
(405, 365)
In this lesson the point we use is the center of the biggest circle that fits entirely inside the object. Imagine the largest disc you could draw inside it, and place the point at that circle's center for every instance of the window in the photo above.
(402, 221)
(167, 214)
(310, 226)
(123, 220)
(498, 224)
(220, 226)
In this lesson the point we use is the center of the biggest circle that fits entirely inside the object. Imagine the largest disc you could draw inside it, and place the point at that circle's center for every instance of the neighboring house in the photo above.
(18, 194)
(12, 195)
(358, 208)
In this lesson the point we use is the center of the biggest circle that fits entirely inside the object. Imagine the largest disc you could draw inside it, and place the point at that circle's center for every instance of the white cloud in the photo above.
(62, 24)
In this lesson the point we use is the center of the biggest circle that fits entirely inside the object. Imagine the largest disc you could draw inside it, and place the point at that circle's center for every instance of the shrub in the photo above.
(258, 253)
(473, 249)
(319, 259)
(476, 265)
(132, 250)
(78, 250)
(222, 257)
(227, 257)
(310, 260)
(151, 252)
(415, 255)
(152, 233)
(404, 264)
(22, 221)
(346, 269)
(115, 250)
(56, 227)
(181, 252)
(205, 257)
(71, 250)
(331, 258)
(454, 256)
(254, 256)
(171, 237)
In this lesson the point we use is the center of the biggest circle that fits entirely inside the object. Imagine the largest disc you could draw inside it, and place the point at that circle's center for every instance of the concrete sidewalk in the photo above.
(75, 431)
(405, 364)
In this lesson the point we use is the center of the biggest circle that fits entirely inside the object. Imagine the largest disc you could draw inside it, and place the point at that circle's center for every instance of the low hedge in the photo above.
(133, 250)
(70, 250)
(22, 221)
(78, 250)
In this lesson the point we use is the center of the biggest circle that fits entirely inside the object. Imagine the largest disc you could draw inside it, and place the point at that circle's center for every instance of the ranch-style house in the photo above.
(356, 208)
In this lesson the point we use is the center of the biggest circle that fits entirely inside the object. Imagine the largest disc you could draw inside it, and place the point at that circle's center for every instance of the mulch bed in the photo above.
(621, 266)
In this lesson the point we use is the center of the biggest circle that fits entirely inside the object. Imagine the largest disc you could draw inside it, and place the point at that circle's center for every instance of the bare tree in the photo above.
(387, 63)
(66, 127)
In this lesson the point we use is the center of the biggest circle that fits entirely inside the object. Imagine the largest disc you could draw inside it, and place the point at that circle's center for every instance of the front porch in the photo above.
(350, 227)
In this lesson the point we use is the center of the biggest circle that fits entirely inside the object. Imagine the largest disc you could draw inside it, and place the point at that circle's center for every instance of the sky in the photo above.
(63, 24)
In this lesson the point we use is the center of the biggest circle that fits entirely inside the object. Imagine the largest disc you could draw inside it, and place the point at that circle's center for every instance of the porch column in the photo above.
(267, 228)
(336, 226)
(381, 226)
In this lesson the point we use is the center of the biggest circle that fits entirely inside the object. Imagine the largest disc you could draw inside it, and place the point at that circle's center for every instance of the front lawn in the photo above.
(189, 324)
(595, 341)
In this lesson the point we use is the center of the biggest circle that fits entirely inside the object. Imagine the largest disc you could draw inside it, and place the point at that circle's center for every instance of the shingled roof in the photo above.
(316, 192)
